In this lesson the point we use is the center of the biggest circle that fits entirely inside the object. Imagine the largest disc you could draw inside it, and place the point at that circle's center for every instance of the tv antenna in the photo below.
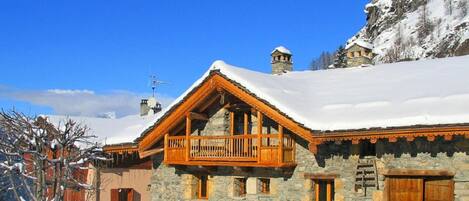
(154, 82)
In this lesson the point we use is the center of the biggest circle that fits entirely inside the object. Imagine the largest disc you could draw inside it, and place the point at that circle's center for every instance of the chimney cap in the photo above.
(281, 49)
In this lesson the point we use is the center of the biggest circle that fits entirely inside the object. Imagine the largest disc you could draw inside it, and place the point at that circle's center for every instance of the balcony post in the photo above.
(259, 135)
(165, 150)
(188, 133)
(280, 145)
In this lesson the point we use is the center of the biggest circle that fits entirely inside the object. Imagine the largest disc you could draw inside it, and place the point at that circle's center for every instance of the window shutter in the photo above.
(130, 194)
(114, 194)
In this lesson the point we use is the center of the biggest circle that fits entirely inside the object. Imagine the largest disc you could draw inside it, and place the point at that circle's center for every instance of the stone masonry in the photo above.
(178, 182)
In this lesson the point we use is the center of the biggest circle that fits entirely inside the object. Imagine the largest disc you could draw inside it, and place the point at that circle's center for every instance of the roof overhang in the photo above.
(216, 81)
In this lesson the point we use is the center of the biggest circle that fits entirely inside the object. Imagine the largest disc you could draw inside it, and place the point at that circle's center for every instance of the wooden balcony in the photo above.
(265, 150)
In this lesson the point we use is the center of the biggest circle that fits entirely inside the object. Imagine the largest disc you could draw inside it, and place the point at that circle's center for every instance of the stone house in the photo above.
(358, 53)
(328, 135)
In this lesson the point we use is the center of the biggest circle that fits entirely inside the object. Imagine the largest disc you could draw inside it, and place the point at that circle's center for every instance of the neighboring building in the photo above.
(397, 132)
(359, 53)
(125, 177)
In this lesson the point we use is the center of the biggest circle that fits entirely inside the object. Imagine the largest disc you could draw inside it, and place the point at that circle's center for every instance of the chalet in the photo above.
(359, 53)
(396, 132)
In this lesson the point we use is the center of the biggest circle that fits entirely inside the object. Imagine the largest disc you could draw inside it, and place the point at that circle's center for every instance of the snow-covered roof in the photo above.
(282, 50)
(360, 43)
(426, 92)
(110, 131)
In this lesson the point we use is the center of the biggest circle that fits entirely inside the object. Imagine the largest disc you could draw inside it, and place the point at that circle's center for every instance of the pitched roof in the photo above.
(282, 50)
(427, 92)
(110, 131)
(360, 43)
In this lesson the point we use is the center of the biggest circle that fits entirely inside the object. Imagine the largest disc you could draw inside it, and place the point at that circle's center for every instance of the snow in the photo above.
(407, 28)
(282, 50)
(110, 131)
(426, 92)
(361, 43)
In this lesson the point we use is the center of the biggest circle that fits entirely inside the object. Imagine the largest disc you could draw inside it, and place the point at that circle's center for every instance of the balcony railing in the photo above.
(237, 150)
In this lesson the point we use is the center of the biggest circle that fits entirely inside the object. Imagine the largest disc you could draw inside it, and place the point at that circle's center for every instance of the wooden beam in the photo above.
(409, 133)
(198, 116)
(166, 147)
(246, 123)
(326, 176)
(416, 172)
(313, 148)
(151, 152)
(232, 126)
(208, 102)
(259, 135)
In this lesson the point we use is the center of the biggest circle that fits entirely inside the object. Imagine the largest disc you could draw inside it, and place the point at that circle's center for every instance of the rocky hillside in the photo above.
(414, 29)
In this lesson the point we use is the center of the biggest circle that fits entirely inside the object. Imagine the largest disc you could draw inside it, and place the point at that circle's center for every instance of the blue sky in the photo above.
(89, 57)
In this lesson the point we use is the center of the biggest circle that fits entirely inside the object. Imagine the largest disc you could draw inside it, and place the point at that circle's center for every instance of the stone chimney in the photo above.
(144, 107)
(149, 106)
(281, 60)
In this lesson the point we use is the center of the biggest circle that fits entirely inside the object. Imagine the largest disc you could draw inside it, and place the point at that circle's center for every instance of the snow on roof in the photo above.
(282, 50)
(361, 43)
(110, 131)
(426, 92)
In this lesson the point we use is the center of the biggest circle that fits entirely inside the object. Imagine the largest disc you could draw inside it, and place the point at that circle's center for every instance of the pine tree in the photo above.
(340, 60)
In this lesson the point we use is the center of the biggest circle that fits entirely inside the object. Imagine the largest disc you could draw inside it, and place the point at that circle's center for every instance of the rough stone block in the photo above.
(251, 185)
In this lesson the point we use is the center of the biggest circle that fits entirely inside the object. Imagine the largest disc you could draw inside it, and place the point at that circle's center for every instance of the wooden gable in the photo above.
(201, 97)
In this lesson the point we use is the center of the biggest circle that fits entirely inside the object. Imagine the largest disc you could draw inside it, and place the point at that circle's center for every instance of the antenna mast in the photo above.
(154, 83)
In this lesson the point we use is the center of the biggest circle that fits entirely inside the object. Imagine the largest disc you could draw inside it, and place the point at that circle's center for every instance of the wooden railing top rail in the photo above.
(228, 136)
(176, 137)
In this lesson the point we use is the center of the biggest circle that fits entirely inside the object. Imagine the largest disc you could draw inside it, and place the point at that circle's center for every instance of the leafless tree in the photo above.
(41, 160)
(463, 8)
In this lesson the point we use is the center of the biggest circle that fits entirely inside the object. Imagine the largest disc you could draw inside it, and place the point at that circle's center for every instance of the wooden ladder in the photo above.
(366, 175)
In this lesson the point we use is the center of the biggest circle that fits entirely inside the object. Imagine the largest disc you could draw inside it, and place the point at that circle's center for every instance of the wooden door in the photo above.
(439, 190)
(405, 189)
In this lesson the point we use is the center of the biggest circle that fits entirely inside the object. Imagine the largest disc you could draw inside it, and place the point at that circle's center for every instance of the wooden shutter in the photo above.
(405, 189)
(114, 194)
(130, 194)
(439, 190)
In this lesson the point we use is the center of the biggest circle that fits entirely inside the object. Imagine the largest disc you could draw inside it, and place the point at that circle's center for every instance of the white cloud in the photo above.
(84, 102)
(68, 91)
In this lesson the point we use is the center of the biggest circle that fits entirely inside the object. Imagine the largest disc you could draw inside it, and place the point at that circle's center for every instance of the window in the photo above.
(240, 187)
(202, 183)
(264, 185)
(323, 189)
(122, 194)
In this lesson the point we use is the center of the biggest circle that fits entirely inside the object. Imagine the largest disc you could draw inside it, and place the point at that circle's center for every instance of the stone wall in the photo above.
(179, 183)
(170, 183)
(218, 123)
